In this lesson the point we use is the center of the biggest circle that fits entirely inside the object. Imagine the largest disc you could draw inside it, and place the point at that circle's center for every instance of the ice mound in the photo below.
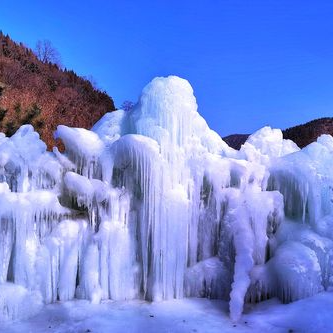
(152, 204)
(17, 303)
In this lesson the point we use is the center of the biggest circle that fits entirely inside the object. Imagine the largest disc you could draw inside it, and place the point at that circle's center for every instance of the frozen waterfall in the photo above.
(152, 204)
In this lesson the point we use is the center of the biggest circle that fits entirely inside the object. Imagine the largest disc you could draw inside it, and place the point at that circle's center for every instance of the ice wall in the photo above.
(152, 204)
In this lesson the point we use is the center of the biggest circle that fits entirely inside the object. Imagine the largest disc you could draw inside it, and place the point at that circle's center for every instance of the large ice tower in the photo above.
(152, 204)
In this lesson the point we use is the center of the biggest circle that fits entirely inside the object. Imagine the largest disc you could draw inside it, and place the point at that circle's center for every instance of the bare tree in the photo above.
(46, 52)
(92, 80)
(127, 105)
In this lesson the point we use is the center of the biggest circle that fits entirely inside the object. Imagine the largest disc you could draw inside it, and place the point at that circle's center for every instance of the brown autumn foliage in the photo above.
(44, 95)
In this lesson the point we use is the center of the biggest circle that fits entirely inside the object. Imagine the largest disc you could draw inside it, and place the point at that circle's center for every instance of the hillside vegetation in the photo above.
(304, 134)
(44, 95)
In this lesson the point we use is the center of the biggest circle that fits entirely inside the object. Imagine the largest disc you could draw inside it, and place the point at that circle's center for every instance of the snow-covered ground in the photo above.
(312, 314)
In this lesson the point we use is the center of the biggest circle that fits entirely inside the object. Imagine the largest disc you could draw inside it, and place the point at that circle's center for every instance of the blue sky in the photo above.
(251, 63)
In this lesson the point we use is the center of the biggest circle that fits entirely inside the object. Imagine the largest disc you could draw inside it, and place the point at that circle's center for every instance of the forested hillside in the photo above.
(43, 94)
(302, 135)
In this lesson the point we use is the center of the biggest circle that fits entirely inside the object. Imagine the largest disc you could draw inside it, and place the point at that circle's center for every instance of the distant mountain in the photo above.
(44, 95)
(302, 135)
(236, 140)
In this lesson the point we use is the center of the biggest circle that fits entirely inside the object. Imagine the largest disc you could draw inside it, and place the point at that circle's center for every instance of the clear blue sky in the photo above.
(251, 63)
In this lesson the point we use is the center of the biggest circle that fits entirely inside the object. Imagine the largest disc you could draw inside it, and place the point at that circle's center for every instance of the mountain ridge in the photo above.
(302, 134)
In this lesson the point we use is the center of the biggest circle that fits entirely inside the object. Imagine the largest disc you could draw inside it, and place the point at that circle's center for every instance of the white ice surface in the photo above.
(310, 315)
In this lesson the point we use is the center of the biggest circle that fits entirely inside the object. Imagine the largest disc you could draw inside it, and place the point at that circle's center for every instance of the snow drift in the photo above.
(152, 204)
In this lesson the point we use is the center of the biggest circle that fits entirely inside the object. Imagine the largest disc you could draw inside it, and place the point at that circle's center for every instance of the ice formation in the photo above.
(152, 204)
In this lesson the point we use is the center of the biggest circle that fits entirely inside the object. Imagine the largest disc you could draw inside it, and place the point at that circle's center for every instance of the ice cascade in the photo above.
(152, 204)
